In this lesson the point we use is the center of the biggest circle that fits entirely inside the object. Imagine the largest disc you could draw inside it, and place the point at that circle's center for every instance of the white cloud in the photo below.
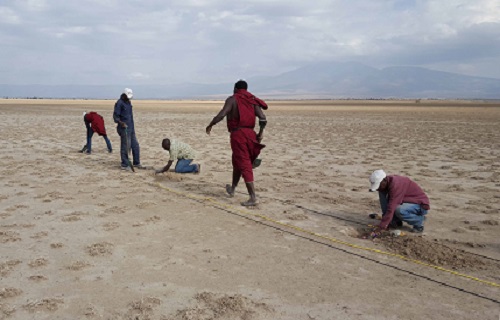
(152, 41)
(66, 32)
(8, 16)
(138, 76)
(34, 5)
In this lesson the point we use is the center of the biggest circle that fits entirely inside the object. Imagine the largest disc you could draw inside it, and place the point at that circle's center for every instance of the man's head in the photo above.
(378, 181)
(240, 84)
(165, 144)
(128, 92)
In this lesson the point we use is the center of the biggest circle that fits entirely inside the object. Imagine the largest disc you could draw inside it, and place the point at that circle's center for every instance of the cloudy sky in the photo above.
(209, 41)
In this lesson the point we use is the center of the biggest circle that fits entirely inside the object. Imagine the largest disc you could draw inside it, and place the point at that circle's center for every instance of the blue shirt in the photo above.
(123, 112)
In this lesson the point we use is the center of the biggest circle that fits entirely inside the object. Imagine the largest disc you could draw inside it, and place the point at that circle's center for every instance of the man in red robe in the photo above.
(240, 110)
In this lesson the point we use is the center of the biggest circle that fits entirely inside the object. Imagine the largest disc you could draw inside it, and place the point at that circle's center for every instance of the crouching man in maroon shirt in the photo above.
(94, 123)
(401, 200)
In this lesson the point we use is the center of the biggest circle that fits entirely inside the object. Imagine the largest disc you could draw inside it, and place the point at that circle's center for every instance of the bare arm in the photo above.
(165, 169)
(228, 105)
(262, 122)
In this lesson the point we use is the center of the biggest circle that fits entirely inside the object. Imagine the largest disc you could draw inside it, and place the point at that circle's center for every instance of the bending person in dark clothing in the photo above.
(401, 200)
(241, 109)
(94, 123)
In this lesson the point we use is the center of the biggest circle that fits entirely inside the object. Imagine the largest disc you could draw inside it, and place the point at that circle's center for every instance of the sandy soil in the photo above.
(82, 239)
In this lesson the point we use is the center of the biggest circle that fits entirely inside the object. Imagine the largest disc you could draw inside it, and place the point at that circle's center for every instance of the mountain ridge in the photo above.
(322, 80)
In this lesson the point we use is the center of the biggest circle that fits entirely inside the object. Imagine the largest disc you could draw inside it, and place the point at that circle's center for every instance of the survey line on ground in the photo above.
(286, 202)
(331, 239)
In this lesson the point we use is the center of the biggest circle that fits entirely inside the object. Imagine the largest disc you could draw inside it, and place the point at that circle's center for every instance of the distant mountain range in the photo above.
(328, 80)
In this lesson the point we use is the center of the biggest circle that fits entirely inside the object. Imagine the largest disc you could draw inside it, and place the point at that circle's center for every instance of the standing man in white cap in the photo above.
(401, 199)
(124, 117)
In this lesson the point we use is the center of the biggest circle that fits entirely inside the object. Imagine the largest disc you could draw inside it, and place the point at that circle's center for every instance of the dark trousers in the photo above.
(90, 133)
(134, 145)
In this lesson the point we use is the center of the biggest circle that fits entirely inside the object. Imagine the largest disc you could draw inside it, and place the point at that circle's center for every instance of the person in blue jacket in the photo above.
(124, 118)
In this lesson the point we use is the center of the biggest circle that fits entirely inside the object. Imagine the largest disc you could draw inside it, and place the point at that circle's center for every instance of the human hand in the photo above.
(208, 129)
(124, 125)
(260, 137)
(375, 233)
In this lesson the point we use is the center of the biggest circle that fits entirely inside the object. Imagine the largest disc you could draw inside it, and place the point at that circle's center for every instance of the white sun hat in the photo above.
(376, 178)
(129, 93)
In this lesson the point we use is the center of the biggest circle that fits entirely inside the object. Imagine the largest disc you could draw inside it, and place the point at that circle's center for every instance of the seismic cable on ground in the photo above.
(331, 239)
(287, 202)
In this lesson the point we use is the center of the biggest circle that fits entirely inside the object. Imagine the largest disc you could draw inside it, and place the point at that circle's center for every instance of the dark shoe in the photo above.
(230, 190)
(110, 150)
(375, 216)
(249, 203)
(86, 152)
(418, 229)
(83, 149)
(395, 223)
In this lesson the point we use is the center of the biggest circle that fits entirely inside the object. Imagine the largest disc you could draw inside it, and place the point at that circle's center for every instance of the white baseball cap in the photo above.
(129, 93)
(376, 178)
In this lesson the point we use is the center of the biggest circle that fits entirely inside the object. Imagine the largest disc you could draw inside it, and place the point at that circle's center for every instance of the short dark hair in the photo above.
(241, 84)
(164, 142)
(124, 97)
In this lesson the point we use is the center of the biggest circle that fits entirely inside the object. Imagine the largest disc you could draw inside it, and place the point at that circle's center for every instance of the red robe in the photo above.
(97, 123)
(244, 142)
